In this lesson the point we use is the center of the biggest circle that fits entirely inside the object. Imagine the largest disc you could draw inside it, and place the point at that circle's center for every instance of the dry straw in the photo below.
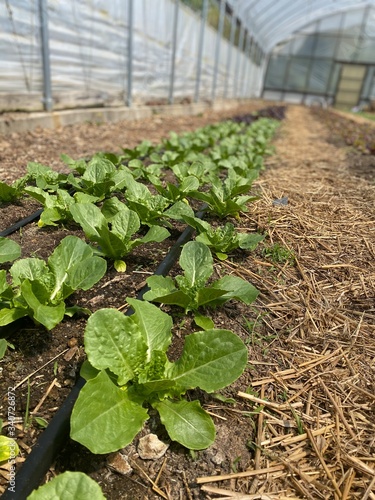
(318, 441)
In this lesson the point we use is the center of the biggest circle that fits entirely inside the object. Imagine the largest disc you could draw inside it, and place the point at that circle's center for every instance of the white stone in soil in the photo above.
(151, 448)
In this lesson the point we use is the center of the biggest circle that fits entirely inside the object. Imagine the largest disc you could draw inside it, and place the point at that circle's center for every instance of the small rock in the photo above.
(151, 448)
(218, 458)
(72, 342)
(281, 201)
(69, 355)
(119, 463)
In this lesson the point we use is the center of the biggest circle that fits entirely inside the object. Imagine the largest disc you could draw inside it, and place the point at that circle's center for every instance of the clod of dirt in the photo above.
(151, 448)
(119, 463)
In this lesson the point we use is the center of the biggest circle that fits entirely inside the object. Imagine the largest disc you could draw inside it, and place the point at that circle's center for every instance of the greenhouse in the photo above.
(187, 249)
(58, 55)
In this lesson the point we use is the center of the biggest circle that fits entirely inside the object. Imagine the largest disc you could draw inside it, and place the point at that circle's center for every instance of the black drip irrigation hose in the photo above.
(51, 441)
(27, 220)
(21, 223)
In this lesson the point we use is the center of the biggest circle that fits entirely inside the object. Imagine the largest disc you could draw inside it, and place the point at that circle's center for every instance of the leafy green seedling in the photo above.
(175, 193)
(153, 209)
(67, 486)
(150, 173)
(44, 177)
(14, 191)
(37, 175)
(113, 229)
(56, 206)
(225, 197)
(224, 239)
(189, 290)
(40, 288)
(4, 345)
(9, 250)
(204, 171)
(99, 177)
(128, 368)
(145, 148)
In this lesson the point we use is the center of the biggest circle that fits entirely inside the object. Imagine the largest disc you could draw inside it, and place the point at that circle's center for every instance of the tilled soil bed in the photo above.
(299, 422)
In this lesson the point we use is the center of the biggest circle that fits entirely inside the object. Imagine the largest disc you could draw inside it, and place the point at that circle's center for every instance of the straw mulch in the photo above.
(313, 395)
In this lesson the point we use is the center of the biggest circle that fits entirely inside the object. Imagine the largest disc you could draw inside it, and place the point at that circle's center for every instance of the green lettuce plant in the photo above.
(39, 289)
(225, 198)
(204, 171)
(180, 192)
(129, 371)
(143, 149)
(190, 289)
(153, 209)
(150, 173)
(68, 486)
(37, 175)
(12, 192)
(224, 239)
(9, 250)
(113, 228)
(98, 177)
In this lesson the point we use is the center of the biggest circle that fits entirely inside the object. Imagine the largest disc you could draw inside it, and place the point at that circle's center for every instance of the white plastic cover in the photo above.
(88, 43)
(275, 20)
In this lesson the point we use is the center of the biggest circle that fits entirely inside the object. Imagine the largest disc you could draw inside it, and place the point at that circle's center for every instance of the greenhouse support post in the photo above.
(311, 60)
(44, 35)
(239, 53)
(230, 51)
(335, 55)
(174, 47)
(130, 54)
(247, 71)
(217, 48)
(245, 65)
(200, 50)
(287, 67)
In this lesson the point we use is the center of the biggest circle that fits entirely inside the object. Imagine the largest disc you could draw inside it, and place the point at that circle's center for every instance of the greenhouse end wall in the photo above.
(329, 61)
(97, 53)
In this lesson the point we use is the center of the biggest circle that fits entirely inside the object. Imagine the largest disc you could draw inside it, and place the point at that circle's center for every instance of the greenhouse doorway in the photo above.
(350, 85)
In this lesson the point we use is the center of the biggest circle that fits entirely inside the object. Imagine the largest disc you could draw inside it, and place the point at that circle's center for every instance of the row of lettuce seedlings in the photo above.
(127, 368)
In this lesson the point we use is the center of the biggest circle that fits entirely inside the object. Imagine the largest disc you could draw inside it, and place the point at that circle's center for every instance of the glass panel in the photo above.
(283, 48)
(369, 81)
(370, 24)
(365, 51)
(331, 23)
(304, 45)
(325, 46)
(297, 73)
(332, 84)
(353, 22)
(347, 48)
(319, 76)
(276, 72)
(372, 89)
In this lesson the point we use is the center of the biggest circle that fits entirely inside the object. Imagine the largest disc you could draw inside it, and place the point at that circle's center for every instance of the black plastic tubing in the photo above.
(21, 223)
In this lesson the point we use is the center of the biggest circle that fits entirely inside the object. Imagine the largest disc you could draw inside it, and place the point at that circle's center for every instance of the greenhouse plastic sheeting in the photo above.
(329, 61)
(88, 43)
(274, 21)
